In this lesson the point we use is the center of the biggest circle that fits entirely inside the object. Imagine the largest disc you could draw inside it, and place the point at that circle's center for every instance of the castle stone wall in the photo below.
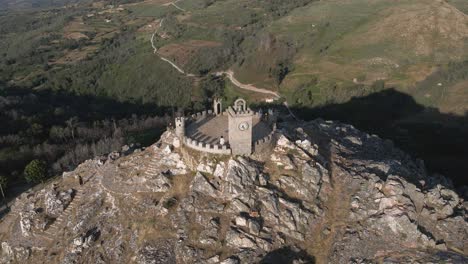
(265, 142)
(205, 147)
(257, 146)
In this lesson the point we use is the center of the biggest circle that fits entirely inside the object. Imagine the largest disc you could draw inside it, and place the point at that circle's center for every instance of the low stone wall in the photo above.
(201, 115)
(266, 141)
(204, 147)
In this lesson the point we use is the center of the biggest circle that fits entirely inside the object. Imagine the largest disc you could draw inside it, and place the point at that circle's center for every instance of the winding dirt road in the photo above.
(154, 34)
(155, 51)
(250, 87)
(228, 73)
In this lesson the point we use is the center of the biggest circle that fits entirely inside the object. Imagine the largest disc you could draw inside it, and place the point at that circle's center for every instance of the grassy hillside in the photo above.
(462, 5)
(313, 52)
(362, 41)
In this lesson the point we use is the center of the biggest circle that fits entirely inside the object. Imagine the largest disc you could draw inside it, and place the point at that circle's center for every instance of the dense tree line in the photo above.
(125, 70)
(63, 130)
(280, 8)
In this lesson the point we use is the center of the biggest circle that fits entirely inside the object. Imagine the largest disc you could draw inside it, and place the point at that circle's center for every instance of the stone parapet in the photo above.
(265, 141)
(205, 147)
(203, 114)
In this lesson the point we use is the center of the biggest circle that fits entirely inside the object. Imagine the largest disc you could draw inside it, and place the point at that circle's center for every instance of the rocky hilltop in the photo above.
(324, 193)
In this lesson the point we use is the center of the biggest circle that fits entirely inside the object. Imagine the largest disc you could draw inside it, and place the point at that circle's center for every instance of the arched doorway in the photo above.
(217, 107)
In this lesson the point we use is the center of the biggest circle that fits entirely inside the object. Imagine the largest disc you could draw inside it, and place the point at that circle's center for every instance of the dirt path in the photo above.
(173, 64)
(174, 4)
(250, 87)
(155, 51)
(329, 229)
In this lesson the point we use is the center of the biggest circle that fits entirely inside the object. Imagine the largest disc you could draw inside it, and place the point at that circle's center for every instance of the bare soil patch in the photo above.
(182, 52)
(76, 36)
(150, 27)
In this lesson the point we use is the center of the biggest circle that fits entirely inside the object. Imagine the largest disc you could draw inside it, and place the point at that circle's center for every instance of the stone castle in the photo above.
(236, 131)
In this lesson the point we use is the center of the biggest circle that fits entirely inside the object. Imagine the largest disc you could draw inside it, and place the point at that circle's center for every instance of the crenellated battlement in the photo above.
(266, 141)
(206, 147)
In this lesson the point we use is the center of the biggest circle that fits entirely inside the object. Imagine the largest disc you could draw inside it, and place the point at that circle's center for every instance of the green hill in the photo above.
(353, 43)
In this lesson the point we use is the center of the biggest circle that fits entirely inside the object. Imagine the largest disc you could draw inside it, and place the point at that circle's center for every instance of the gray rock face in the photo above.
(202, 185)
(56, 202)
(240, 174)
(158, 253)
(326, 193)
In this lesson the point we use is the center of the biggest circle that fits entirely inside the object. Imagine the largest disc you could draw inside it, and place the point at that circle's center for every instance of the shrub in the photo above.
(35, 171)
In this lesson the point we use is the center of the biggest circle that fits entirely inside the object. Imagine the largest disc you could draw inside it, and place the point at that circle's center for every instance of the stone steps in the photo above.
(152, 168)
(54, 228)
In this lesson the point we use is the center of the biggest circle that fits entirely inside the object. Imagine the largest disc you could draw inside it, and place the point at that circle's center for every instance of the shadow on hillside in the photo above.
(287, 255)
(440, 139)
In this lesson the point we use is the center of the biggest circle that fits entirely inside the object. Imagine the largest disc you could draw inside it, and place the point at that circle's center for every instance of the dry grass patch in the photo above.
(75, 55)
(455, 99)
(76, 36)
(77, 24)
(419, 26)
(419, 72)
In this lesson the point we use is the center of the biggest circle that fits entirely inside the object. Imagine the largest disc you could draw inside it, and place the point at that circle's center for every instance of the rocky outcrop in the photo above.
(326, 193)
(56, 202)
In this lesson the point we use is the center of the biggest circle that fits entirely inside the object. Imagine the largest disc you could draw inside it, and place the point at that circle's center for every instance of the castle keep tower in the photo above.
(180, 127)
(240, 128)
